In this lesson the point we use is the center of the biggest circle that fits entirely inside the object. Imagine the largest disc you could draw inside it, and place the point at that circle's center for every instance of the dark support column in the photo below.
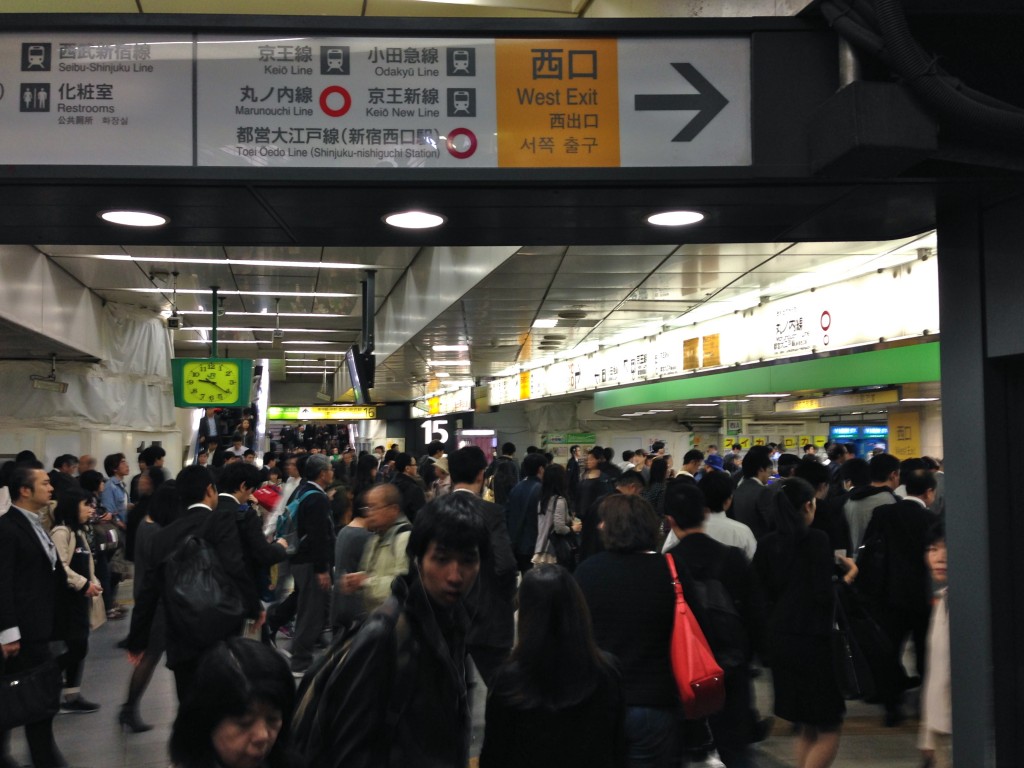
(981, 294)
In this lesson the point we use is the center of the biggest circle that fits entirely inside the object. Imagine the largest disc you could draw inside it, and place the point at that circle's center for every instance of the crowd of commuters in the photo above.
(391, 571)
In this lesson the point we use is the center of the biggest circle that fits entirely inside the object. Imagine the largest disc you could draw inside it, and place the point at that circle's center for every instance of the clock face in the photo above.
(211, 382)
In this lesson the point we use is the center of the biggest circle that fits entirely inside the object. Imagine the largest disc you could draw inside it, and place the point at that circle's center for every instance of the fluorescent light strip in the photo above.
(230, 342)
(737, 400)
(451, 348)
(264, 313)
(281, 263)
(701, 405)
(204, 291)
(251, 329)
(436, 363)
(772, 394)
(918, 399)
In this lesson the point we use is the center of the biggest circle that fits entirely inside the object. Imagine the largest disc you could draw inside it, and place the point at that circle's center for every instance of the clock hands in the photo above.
(214, 383)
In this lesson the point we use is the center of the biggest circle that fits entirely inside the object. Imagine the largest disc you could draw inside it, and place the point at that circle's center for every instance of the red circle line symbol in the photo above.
(826, 320)
(450, 143)
(329, 91)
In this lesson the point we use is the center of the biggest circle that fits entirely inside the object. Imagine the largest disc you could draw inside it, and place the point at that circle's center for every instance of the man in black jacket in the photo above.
(725, 618)
(31, 579)
(237, 482)
(752, 500)
(491, 603)
(521, 511)
(311, 564)
(199, 495)
(903, 606)
(408, 482)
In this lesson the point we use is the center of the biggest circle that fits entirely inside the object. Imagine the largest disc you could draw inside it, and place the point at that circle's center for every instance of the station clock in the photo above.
(211, 381)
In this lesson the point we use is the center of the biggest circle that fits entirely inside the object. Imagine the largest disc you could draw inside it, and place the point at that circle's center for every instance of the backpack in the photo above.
(726, 633)
(288, 523)
(201, 602)
(316, 695)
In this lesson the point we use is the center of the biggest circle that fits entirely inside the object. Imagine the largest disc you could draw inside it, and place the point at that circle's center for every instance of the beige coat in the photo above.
(65, 542)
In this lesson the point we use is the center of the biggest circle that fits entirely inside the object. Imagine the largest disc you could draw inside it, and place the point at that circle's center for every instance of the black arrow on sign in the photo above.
(707, 102)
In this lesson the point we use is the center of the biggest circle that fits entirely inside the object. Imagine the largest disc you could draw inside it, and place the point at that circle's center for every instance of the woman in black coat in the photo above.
(557, 700)
(795, 568)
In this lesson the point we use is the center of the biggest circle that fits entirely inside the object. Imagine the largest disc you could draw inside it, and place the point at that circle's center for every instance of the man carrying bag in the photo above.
(31, 577)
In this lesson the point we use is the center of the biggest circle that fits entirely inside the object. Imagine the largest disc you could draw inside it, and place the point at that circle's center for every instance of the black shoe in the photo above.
(762, 728)
(123, 644)
(129, 720)
(78, 706)
(893, 719)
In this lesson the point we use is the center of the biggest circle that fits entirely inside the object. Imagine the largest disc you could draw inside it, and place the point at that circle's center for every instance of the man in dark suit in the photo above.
(199, 495)
(311, 564)
(62, 478)
(491, 603)
(702, 559)
(903, 607)
(751, 503)
(237, 482)
(208, 429)
(31, 580)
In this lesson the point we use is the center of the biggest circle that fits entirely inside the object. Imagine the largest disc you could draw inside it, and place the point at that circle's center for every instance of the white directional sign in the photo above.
(92, 99)
(353, 102)
(360, 102)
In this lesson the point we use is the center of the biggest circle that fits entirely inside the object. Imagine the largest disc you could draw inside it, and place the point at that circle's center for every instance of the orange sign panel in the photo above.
(524, 385)
(691, 361)
(558, 104)
(712, 350)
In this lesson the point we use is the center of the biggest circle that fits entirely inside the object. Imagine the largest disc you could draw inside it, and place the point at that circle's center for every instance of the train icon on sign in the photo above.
(461, 102)
(334, 60)
(461, 62)
(35, 57)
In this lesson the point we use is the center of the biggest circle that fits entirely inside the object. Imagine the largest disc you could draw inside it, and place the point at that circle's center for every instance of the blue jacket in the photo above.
(521, 515)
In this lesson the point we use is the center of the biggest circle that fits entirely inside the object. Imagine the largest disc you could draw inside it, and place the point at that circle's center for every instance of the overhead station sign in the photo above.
(362, 102)
(95, 99)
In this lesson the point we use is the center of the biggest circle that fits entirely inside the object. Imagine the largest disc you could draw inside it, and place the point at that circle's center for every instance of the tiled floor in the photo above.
(95, 740)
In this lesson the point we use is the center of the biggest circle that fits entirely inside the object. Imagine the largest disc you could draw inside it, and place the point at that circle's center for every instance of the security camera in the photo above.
(174, 322)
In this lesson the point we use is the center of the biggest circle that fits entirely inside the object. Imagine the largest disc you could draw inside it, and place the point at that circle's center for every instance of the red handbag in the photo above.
(700, 680)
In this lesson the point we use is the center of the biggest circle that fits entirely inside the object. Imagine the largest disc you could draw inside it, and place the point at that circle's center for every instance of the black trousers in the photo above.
(898, 624)
(39, 736)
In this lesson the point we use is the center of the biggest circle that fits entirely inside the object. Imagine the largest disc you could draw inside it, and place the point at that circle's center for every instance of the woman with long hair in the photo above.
(366, 475)
(628, 589)
(149, 482)
(555, 518)
(794, 566)
(68, 533)
(558, 698)
(162, 510)
(655, 492)
(239, 712)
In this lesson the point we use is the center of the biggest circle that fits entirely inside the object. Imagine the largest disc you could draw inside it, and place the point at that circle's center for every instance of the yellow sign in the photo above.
(789, 443)
(322, 412)
(804, 440)
(712, 350)
(434, 406)
(524, 385)
(905, 434)
(728, 442)
(691, 361)
(744, 442)
(558, 105)
(820, 440)
(760, 441)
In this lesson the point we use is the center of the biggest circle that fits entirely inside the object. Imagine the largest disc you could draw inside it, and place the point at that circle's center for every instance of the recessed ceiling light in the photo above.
(442, 374)
(918, 399)
(771, 394)
(701, 405)
(414, 220)
(737, 400)
(545, 323)
(450, 347)
(134, 218)
(435, 363)
(675, 218)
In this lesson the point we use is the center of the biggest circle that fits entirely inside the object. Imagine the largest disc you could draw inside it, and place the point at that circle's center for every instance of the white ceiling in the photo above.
(616, 287)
